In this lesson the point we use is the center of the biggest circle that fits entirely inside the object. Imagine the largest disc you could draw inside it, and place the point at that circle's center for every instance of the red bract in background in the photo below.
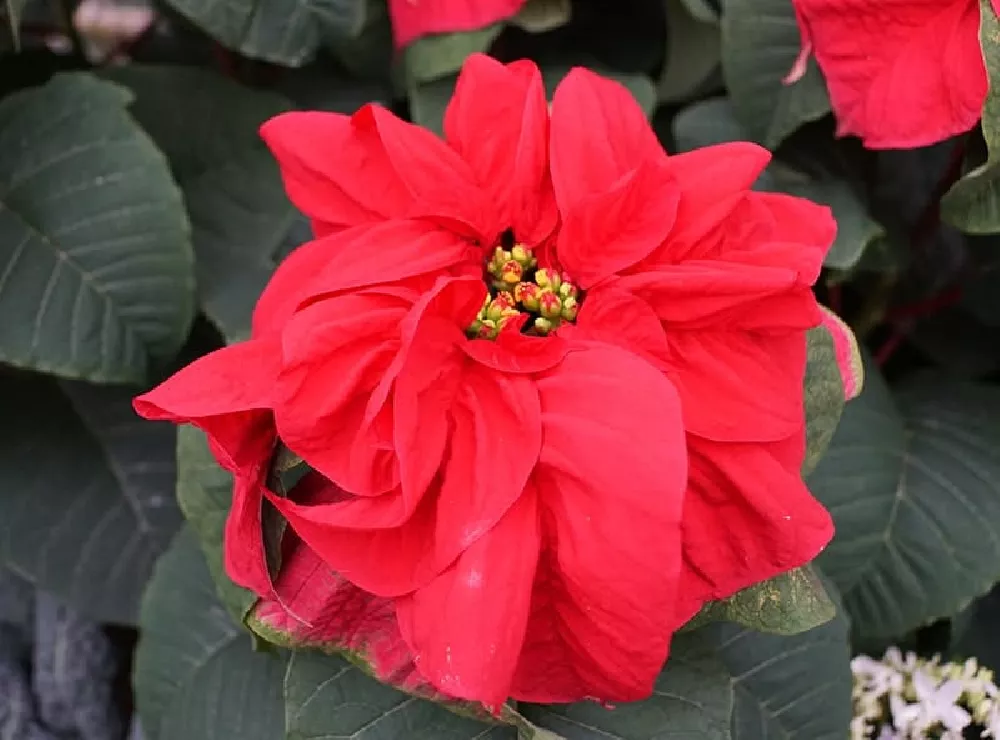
(904, 73)
(412, 19)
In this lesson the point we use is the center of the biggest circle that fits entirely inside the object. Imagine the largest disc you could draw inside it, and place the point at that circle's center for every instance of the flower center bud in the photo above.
(517, 286)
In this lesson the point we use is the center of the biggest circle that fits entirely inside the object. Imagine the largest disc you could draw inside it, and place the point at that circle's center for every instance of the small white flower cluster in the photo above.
(908, 698)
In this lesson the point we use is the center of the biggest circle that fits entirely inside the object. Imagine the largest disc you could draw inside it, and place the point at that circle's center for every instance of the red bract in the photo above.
(901, 73)
(412, 19)
(512, 360)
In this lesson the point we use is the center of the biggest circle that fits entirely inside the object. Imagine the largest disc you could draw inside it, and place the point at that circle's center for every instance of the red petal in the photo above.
(754, 495)
(425, 379)
(618, 317)
(498, 122)
(712, 174)
(410, 19)
(901, 73)
(336, 352)
(347, 171)
(745, 263)
(467, 626)
(364, 256)
(514, 352)
(739, 386)
(286, 288)
(494, 442)
(763, 229)
(606, 232)
(611, 478)
(315, 607)
(244, 557)
(599, 135)
(702, 294)
(228, 394)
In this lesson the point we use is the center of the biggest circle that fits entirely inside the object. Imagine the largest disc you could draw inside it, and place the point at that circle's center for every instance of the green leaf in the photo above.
(693, 53)
(714, 122)
(95, 259)
(911, 483)
(974, 631)
(702, 10)
(981, 291)
(205, 493)
(327, 697)
(540, 16)
(15, 8)
(196, 675)
(973, 203)
(692, 698)
(760, 42)
(824, 396)
(429, 100)
(958, 342)
(369, 55)
(241, 218)
(287, 32)
(431, 57)
(87, 496)
(788, 687)
(788, 604)
(706, 123)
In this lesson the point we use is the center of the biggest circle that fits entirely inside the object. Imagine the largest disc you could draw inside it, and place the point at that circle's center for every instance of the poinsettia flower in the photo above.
(412, 19)
(901, 73)
(548, 381)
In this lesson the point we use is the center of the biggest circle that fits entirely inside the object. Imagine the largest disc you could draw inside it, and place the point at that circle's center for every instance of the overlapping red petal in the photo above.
(518, 517)
(901, 73)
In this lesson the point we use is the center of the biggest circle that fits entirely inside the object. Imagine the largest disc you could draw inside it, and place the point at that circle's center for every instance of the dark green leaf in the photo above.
(87, 499)
(692, 699)
(702, 10)
(911, 483)
(284, 32)
(327, 697)
(788, 687)
(429, 100)
(196, 674)
(824, 396)
(706, 123)
(370, 54)
(973, 203)
(14, 10)
(958, 342)
(96, 277)
(760, 42)
(241, 218)
(788, 604)
(981, 292)
(431, 57)
(974, 631)
(539, 16)
(693, 53)
(205, 492)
